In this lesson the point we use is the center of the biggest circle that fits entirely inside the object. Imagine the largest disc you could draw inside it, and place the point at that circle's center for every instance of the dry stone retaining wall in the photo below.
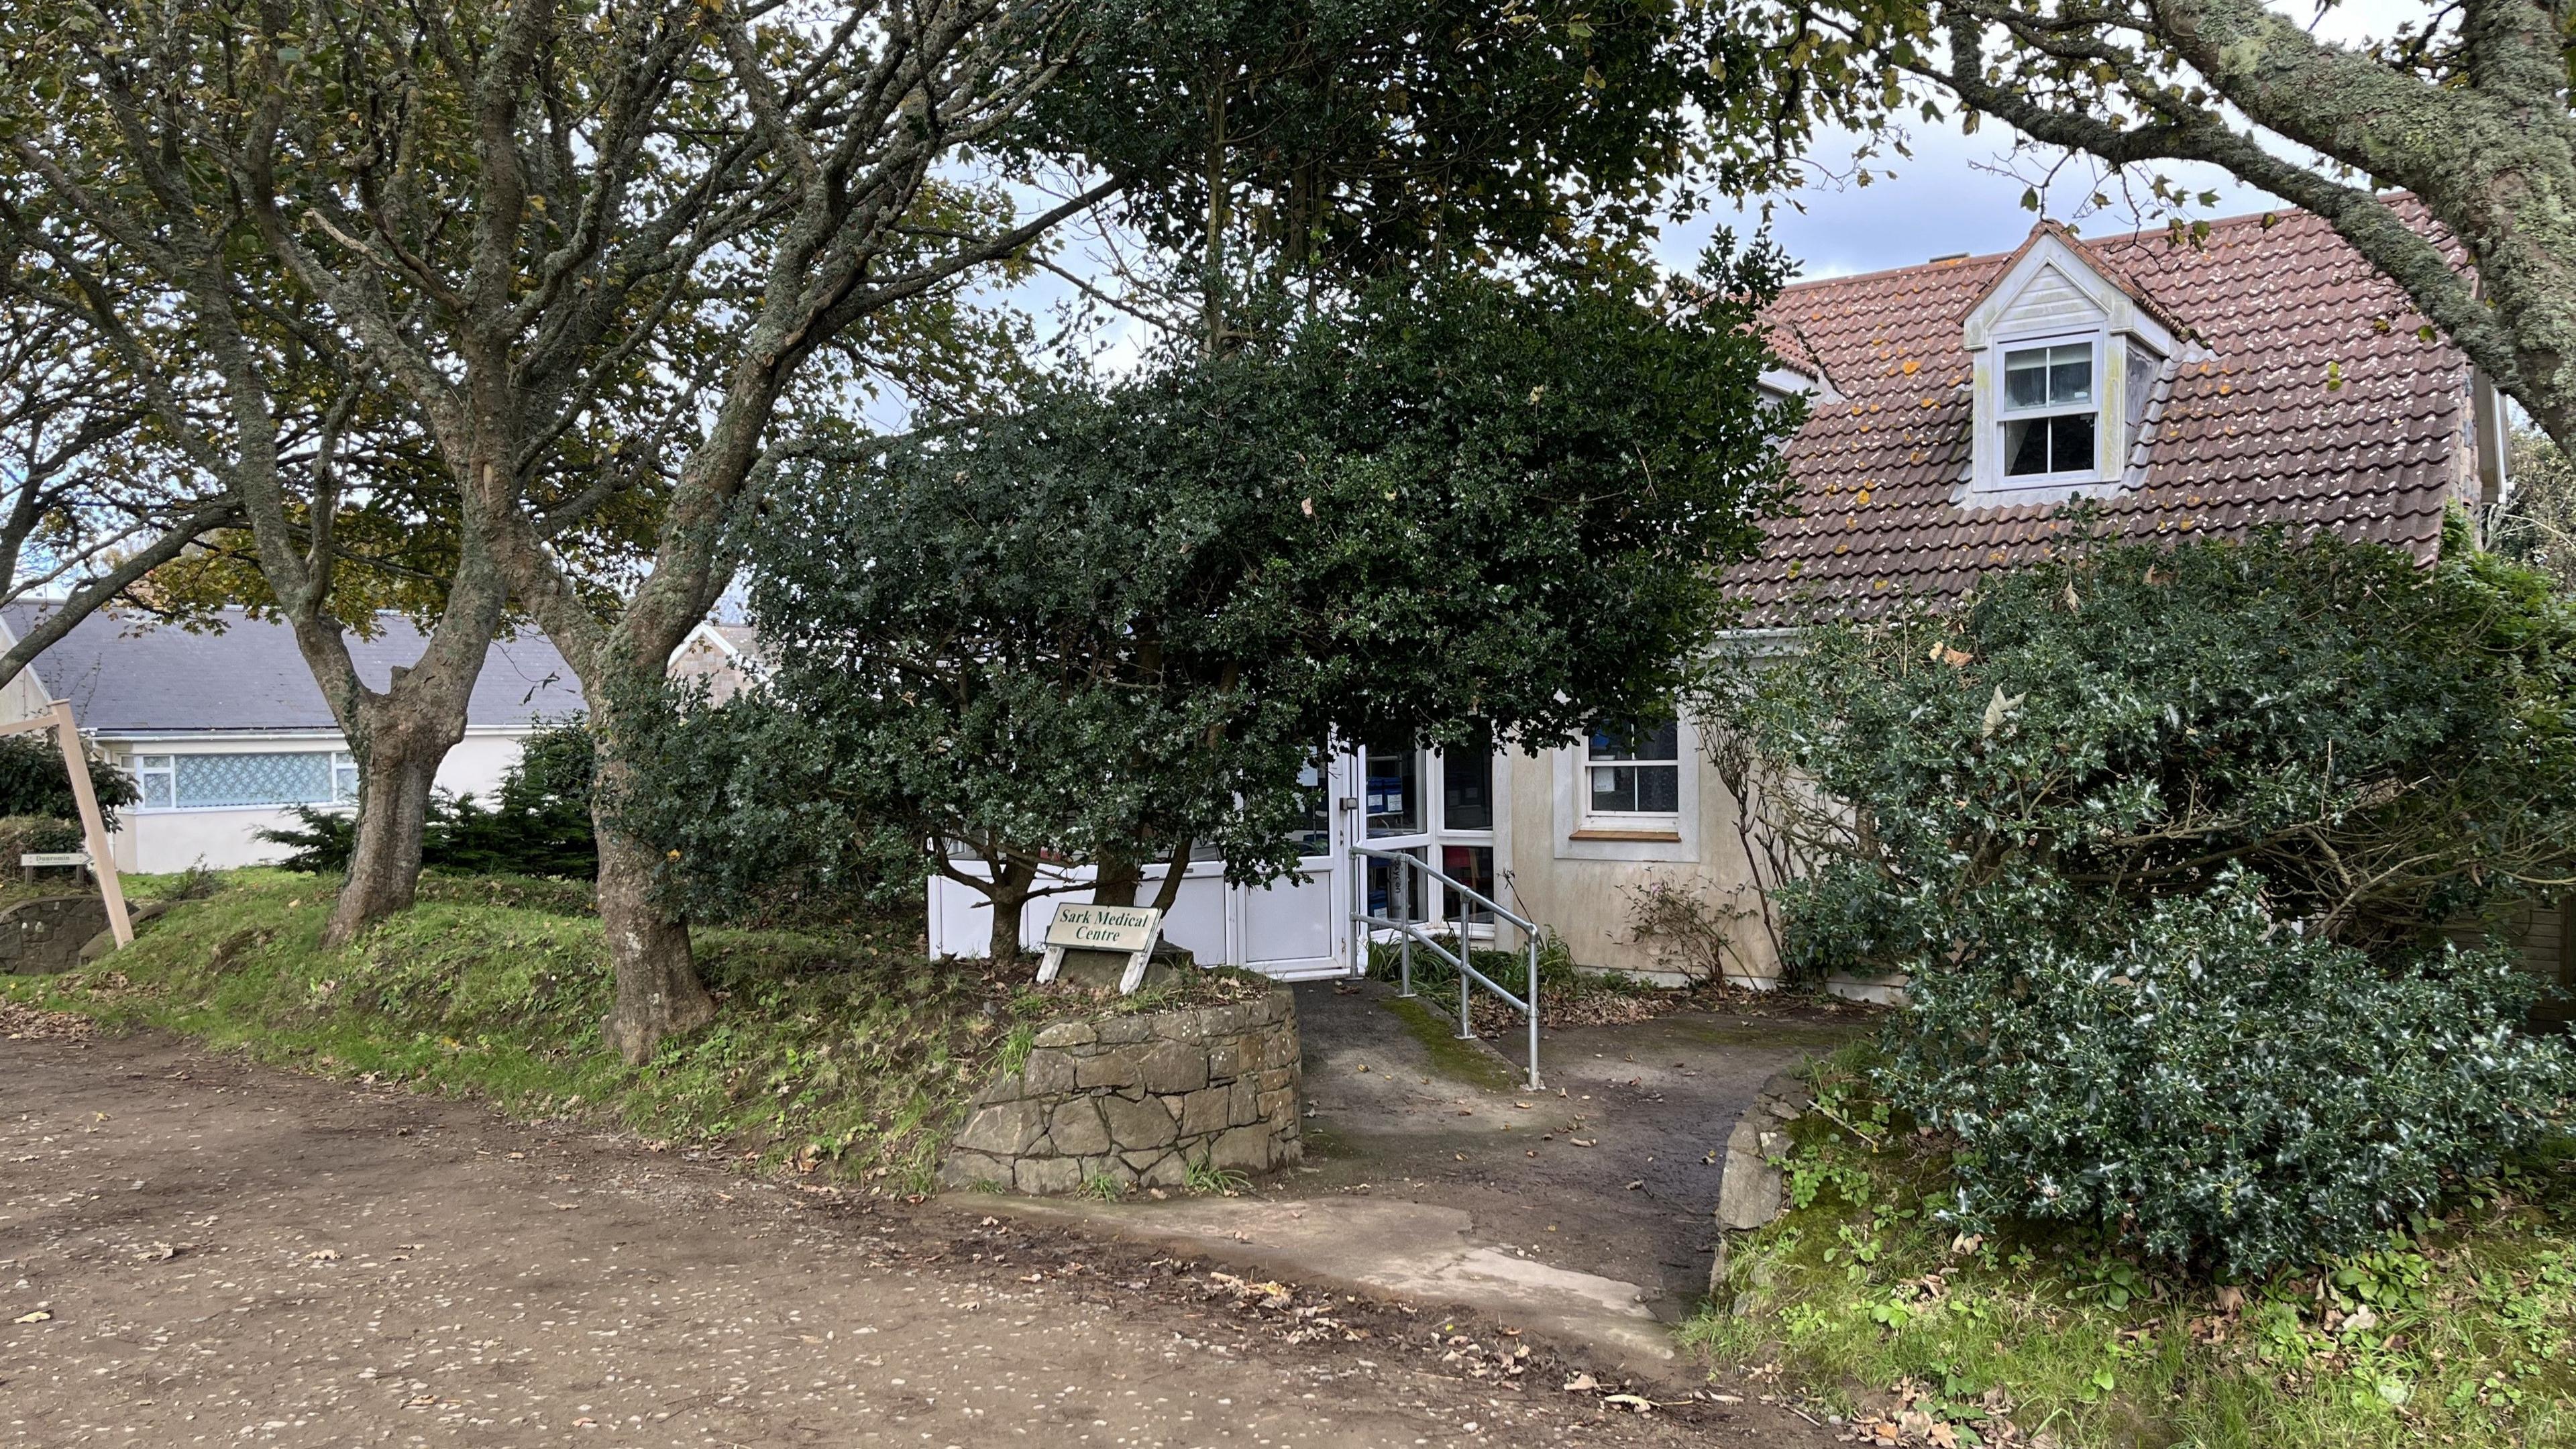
(1140, 1100)
(1750, 1190)
(46, 935)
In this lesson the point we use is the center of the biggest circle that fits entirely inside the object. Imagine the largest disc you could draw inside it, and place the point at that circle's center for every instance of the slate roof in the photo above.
(128, 674)
(2309, 399)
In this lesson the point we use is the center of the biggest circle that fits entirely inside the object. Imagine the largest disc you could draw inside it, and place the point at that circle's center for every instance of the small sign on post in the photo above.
(1098, 931)
(58, 718)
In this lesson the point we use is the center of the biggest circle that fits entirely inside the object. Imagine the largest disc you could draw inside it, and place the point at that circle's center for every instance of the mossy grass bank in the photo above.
(2460, 1329)
(841, 1054)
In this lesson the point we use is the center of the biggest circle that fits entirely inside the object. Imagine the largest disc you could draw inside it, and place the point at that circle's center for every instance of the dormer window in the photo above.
(2066, 361)
(2051, 411)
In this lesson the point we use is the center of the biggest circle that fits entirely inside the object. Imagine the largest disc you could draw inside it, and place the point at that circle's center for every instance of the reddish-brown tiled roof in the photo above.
(2308, 398)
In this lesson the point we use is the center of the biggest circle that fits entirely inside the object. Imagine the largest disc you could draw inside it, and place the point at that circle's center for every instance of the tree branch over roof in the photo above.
(2467, 113)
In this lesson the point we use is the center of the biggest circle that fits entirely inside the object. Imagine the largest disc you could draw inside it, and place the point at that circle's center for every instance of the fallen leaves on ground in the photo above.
(1303, 1322)
(1922, 1418)
(27, 1023)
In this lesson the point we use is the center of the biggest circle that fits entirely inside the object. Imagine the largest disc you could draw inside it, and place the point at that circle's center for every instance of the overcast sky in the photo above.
(1955, 194)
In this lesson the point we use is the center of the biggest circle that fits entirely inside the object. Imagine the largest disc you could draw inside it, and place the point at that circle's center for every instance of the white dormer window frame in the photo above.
(2028, 420)
(2125, 349)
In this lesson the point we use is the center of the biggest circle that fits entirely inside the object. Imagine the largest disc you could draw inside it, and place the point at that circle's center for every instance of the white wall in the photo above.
(160, 841)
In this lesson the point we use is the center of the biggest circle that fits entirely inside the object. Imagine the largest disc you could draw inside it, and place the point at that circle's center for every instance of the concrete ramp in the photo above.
(1412, 1251)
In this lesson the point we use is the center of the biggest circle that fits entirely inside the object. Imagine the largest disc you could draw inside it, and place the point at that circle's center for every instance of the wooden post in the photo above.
(93, 825)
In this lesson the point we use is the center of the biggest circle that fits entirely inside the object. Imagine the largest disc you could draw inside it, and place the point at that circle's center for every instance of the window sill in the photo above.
(1667, 837)
(220, 809)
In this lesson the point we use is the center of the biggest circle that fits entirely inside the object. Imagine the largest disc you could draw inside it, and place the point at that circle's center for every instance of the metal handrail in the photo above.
(1408, 932)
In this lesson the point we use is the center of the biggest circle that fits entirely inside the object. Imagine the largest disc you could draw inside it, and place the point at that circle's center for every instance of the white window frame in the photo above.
(165, 768)
(1657, 821)
(344, 765)
(2121, 329)
(2006, 414)
(1432, 832)
(1576, 834)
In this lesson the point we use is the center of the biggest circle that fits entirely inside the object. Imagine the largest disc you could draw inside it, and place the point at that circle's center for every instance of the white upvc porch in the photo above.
(1444, 809)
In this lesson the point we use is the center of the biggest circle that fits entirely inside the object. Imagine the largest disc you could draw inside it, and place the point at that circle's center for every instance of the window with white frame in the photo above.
(1632, 775)
(245, 781)
(2051, 411)
(153, 777)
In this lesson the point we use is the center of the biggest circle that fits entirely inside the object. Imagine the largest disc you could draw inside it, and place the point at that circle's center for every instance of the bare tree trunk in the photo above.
(1009, 895)
(400, 734)
(1116, 878)
(658, 992)
(1173, 872)
(396, 771)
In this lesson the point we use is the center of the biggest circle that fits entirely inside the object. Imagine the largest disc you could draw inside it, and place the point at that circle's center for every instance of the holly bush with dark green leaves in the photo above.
(2172, 843)
(2219, 1088)
(1114, 624)
(2391, 747)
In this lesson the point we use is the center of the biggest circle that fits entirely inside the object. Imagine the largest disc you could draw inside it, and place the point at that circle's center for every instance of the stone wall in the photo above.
(1750, 1190)
(46, 935)
(1140, 1100)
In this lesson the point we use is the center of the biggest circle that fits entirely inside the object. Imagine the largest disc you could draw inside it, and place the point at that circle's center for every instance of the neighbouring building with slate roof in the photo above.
(225, 730)
(2265, 375)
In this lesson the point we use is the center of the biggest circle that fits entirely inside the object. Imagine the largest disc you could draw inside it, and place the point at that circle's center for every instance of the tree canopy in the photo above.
(93, 499)
(1113, 624)
(578, 257)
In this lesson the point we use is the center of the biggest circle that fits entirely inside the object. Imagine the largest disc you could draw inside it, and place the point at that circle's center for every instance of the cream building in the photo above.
(1953, 408)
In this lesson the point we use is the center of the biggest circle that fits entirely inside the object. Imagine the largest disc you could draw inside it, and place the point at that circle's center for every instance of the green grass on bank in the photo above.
(2463, 1333)
(842, 1054)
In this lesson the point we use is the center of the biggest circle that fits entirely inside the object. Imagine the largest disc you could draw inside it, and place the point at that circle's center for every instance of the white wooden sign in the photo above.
(1130, 929)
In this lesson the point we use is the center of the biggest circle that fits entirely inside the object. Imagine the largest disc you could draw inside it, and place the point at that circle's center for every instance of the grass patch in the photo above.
(553, 895)
(1459, 1061)
(837, 1054)
(2463, 1331)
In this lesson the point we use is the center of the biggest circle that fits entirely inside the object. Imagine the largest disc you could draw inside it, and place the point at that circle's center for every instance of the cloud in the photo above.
(1956, 193)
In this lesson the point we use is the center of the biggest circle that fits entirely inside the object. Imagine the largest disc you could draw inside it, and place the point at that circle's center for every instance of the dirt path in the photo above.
(1612, 1170)
(197, 1251)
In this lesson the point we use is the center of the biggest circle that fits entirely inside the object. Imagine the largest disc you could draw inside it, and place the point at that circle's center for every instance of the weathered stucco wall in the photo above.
(1583, 888)
(1140, 1100)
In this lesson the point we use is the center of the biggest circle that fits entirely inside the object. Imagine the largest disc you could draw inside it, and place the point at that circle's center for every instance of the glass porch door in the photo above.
(1299, 927)
(1438, 807)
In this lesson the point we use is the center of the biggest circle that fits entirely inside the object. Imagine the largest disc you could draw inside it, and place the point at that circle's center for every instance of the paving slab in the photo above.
(1613, 1169)
(1413, 1251)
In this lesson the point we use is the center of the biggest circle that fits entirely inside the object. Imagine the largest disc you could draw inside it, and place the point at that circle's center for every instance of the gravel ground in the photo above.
(197, 1251)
